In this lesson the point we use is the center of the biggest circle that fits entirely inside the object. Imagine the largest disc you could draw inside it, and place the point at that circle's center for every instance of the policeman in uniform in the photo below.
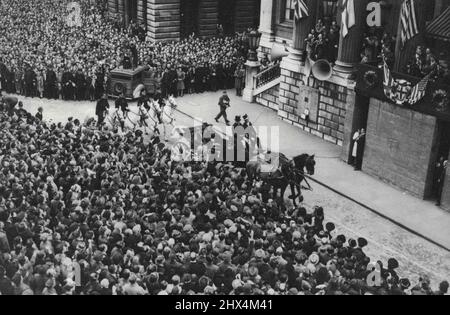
(224, 104)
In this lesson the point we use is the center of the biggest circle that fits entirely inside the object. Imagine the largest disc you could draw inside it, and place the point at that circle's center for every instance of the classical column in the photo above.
(266, 23)
(302, 28)
(349, 53)
(127, 12)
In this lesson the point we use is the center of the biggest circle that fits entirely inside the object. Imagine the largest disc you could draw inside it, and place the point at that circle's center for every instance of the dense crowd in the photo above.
(425, 62)
(45, 54)
(323, 41)
(137, 223)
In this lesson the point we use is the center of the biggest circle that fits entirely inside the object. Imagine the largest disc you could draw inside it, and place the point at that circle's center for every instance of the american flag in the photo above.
(388, 81)
(408, 20)
(348, 16)
(418, 91)
(301, 10)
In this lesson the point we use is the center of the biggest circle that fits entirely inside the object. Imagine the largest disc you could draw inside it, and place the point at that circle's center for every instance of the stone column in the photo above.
(266, 23)
(163, 20)
(127, 12)
(294, 62)
(252, 68)
(349, 53)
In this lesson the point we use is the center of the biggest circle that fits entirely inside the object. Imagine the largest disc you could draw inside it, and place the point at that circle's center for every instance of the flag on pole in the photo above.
(388, 79)
(348, 16)
(301, 9)
(408, 20)
(388, 82)
(419, 91)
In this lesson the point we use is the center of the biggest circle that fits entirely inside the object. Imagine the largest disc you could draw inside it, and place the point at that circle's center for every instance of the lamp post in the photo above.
(252, 65)
(254, 37)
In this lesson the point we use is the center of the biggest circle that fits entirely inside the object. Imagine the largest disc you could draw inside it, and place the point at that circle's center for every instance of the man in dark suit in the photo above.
(68, 85)
(50, 84)
(102, 109)
(224, 104)
(30, 78)
(173, 80)
(80, 82)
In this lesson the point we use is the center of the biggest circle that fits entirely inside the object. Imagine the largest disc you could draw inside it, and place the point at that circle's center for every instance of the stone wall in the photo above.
(325, 100)
(208, 17)
(269, 98)
(399, 145)
(246, 12)
(163, 20)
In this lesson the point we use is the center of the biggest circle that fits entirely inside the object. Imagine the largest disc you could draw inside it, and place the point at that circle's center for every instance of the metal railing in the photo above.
(267, 75)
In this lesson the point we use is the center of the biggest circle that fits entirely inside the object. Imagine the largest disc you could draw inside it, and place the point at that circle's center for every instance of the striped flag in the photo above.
(348, 16)
(408, 21)
(301, 10)
(418, 91)
(388, 78)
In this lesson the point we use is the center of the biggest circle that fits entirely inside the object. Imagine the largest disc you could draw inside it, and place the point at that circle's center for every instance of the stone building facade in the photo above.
(402, 144)
(168, 20)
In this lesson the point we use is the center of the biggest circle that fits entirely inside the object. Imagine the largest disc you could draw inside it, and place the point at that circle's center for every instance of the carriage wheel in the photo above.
(119, 88)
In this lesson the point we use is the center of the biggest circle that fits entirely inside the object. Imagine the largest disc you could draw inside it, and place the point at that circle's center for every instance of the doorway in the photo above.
(442, 150)
(360, 118)
(189, 12)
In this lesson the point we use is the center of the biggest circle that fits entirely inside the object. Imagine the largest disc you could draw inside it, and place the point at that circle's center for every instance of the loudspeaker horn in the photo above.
(278, 52)
(321, 69)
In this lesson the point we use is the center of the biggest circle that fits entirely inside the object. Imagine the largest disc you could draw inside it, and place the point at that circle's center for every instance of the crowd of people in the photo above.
(425, 62)
(43, 55)
(84, 211)
(323, 41)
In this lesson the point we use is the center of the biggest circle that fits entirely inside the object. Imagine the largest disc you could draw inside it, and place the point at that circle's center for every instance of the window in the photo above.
(287, 10)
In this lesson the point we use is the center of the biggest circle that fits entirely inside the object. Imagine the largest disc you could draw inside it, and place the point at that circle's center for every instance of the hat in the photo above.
(104, 283)
(330, 227)
(253, 271)
(352, 243)
(362, 242)
(393, 263)
(314, 259)
(405, 284)
(260, 253)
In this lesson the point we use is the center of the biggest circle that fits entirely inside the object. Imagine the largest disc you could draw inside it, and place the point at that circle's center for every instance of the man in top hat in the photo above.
(224, 104)
(237, 122)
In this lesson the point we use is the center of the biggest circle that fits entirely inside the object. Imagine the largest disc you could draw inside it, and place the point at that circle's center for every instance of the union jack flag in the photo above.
(301, 9)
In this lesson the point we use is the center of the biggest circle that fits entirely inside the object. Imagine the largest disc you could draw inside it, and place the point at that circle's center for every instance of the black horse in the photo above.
(290, 173)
